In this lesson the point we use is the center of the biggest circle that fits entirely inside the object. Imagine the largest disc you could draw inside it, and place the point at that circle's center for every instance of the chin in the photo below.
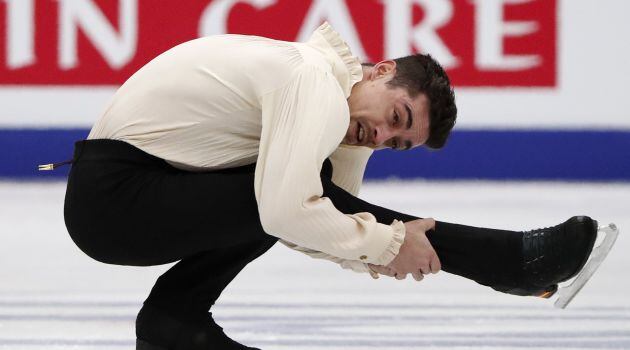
(346, 137)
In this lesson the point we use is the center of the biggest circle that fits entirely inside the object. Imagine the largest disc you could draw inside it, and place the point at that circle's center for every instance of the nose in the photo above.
(382, 134)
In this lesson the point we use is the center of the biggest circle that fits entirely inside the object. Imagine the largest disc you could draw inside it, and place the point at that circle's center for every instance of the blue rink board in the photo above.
(470, 154)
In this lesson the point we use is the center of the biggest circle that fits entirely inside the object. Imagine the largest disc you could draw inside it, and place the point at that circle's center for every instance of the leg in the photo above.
(175, 316)
(184, 293)
(521, 263)
(124, 206)
(486, 256)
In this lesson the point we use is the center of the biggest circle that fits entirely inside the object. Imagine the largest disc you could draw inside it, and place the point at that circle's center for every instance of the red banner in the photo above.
(102, 42)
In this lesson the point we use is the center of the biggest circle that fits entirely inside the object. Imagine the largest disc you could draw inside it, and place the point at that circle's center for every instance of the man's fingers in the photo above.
(387, 272)
(383, 270)
(418, 276)
(428, 224)
(436, 266)
(425, 269)
(400, 276)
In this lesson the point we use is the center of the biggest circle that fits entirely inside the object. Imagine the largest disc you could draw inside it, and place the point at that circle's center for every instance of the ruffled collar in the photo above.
(346, 67)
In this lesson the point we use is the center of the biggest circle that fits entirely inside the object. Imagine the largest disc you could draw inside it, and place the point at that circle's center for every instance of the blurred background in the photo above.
(541, 85)
(543, 133)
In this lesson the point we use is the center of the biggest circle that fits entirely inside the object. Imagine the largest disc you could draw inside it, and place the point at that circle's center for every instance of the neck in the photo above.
(366, 72)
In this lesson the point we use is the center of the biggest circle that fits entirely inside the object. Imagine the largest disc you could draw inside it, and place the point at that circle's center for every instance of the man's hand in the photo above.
(416, 255)
(382, 270)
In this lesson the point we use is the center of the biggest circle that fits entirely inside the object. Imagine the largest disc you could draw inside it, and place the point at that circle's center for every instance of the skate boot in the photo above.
(556, 254)
(157, 331)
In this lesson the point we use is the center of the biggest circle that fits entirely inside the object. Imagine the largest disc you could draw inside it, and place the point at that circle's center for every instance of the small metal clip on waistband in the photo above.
(53, 166)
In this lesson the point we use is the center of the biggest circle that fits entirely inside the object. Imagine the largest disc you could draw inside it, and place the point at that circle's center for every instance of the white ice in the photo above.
(54, 297)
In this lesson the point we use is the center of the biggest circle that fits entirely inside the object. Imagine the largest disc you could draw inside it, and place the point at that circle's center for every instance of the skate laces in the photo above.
(539, 246)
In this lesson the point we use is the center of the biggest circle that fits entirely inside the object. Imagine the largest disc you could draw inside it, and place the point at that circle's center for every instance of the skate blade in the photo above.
(599, 253)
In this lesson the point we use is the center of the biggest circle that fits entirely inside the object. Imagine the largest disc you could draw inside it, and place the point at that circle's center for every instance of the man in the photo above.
(220, 146)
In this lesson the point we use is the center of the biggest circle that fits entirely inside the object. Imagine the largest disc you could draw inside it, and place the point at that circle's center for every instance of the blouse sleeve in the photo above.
(303, 123)
(349, 164)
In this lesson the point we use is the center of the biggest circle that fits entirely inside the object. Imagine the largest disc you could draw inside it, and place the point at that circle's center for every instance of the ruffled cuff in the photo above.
(373, 273)
(393, 248)
(358, 267)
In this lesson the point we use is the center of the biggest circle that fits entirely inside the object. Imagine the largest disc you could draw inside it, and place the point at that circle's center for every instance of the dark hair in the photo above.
(421, 73)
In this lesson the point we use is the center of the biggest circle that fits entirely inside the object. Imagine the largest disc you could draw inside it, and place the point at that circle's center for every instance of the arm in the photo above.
(303, 122)
(353, 265)
(346, 202)
(327, 173)
(349, 164)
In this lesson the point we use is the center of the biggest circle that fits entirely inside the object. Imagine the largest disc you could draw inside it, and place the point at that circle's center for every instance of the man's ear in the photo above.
(383, 68)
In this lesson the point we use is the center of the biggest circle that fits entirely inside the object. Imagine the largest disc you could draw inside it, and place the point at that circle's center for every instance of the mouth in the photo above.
(360, 136)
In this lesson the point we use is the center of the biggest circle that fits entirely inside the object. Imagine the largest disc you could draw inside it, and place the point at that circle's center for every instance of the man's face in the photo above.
(381, 116)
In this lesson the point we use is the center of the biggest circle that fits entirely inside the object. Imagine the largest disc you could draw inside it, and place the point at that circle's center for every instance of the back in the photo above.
(206, 92)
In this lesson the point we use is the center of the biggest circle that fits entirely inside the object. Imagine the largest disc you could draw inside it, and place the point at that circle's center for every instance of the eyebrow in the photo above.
(409, 118)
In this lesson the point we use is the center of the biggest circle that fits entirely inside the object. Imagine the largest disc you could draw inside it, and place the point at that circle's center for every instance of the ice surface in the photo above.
(54, 297)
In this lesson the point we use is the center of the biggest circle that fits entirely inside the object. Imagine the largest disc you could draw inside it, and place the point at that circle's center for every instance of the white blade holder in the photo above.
(599, 253)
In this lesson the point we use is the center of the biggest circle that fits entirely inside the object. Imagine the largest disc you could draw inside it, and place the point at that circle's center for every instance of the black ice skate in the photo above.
(557, 254)
(157, 331)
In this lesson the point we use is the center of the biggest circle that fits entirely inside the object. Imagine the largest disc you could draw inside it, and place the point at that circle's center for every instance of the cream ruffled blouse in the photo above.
(230, 100)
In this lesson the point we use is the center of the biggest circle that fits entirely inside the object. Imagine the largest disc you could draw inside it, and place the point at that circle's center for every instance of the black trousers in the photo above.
(124, 206)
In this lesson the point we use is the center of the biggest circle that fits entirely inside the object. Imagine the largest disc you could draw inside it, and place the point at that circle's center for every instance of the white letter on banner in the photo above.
(214, 18)
(335, 12)
(117, 49)
(490, 31)
(20, 33)
(400, 33)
